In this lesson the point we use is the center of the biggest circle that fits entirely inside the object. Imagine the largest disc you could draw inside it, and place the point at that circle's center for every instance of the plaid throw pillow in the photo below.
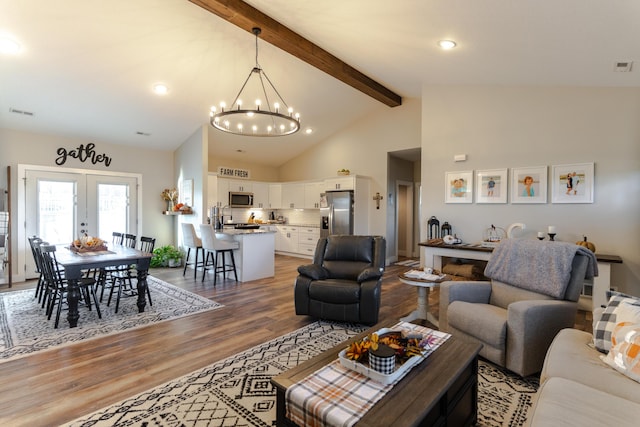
(604, 327)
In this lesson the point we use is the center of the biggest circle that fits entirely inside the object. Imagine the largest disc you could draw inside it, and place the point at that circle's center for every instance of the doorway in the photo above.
(63, 204)
(404, 192)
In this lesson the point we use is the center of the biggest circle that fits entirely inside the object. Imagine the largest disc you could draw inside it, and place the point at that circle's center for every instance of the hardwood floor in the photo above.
(62, 384)
(59, 385)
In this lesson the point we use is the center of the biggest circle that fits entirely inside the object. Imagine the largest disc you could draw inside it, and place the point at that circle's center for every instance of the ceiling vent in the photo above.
(24, 113)
(143, 133)
(623, 66)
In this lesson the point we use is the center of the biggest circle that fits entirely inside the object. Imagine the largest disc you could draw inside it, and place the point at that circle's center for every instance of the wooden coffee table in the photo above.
(442, 390)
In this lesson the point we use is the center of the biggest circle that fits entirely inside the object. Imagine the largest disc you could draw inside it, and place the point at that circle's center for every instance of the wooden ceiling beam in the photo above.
(247, 17)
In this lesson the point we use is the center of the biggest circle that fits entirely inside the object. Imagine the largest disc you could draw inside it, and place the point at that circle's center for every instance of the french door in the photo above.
(61, 206)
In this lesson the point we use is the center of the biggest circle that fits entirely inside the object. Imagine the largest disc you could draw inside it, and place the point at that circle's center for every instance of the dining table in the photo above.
(75, 263)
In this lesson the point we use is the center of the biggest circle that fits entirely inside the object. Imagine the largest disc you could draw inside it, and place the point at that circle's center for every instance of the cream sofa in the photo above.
(578, 389)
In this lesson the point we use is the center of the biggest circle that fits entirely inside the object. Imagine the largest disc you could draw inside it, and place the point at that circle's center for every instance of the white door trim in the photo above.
(22, 251)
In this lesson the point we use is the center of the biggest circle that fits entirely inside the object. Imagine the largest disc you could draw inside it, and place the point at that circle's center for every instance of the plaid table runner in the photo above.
(335, 396)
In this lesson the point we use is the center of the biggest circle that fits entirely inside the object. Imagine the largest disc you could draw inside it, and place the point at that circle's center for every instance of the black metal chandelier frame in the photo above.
(261, 121)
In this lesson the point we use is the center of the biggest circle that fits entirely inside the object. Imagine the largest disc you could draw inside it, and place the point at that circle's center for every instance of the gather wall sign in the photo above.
(84, 153)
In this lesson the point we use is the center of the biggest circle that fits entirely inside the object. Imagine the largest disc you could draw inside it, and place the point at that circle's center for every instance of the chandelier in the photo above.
(262, 118)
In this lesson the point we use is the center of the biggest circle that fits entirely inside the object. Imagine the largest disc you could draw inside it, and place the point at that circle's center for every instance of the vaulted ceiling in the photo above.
(87, 68)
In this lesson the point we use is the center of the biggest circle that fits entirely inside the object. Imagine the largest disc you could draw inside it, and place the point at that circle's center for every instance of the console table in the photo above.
(593, 292)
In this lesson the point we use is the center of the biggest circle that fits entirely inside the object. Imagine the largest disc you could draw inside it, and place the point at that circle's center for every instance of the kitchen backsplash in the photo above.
(291, 216)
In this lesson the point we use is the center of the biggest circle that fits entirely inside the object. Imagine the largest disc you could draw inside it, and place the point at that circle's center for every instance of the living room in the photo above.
(510, 124)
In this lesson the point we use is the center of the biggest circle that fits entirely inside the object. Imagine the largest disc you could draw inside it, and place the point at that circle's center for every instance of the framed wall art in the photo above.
(491, 186)
(529, 185)
(572, 183)
(187, 192)
(458, 187)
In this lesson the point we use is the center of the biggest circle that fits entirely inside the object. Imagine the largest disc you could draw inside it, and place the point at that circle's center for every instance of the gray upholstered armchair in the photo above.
(532, 295)
(343, 283)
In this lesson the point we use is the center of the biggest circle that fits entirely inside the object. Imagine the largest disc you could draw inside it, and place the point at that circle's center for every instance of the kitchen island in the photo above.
(255, 256)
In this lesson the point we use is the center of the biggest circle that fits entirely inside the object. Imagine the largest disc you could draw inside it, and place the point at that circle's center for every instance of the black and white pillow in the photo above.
(603, 327)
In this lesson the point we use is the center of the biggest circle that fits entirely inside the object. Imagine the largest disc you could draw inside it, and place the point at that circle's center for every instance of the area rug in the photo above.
(24, 328)
(409, 263)
(237, 391)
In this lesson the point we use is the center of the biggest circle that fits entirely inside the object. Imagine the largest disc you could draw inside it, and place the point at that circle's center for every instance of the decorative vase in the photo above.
(170, 205)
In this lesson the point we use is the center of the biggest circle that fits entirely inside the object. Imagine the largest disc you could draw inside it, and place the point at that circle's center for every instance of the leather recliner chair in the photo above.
(344, 281)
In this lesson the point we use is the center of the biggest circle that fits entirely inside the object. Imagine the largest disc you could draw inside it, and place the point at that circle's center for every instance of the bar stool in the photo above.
(214, 248)
(191, 240)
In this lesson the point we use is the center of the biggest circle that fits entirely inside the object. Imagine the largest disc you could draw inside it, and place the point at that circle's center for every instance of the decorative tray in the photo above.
(88, 249)
(401, 369)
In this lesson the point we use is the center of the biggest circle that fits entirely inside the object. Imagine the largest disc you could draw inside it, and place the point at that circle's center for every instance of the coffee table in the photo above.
(423, 286)
(442, 390)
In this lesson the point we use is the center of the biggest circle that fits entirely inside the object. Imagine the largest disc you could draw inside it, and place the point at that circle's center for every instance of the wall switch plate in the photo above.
(460, 157)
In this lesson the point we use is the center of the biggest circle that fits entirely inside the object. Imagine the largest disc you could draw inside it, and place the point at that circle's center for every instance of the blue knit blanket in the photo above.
(543, 267)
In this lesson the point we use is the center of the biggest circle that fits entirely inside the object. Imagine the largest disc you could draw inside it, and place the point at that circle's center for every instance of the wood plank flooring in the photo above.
(59, 385)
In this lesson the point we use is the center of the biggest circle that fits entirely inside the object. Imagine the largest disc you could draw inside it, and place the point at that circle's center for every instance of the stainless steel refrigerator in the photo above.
(336, 213)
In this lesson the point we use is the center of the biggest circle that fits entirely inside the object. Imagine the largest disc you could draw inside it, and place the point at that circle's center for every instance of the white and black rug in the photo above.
(409, 263)
(24, 328)
(237, 391)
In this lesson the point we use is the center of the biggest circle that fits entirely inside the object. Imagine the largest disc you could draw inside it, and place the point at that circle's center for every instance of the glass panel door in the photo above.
(111, 205)
(61, 206)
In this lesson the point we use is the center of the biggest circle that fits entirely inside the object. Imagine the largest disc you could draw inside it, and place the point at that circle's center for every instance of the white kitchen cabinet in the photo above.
(241, 186)
(312, 191)
(340, 183)
(260, 195)
(292, 196)
(275, 196)
(287, 239)
(222, 193)
(307, 240)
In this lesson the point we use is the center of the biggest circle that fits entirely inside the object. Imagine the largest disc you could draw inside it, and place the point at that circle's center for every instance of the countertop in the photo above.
(236, 231)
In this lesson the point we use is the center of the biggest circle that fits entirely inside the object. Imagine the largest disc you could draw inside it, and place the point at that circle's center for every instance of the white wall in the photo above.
(362, 148)
(506, 127)
(155, 166)
(190, 162)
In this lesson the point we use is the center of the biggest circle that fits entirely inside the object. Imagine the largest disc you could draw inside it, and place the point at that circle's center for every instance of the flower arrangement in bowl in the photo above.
(404, 347)
(170, 195)
(88, 244)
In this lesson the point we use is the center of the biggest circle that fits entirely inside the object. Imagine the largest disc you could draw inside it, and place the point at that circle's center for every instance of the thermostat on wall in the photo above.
(460, 157)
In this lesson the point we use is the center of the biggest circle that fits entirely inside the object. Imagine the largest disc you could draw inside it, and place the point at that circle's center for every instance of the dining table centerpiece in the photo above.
(88, 244)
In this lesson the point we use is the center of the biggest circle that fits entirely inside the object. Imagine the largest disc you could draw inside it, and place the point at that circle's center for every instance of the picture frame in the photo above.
(529, 184)
(187, 192)
(491, 186)
(572, 183)
(458, 187)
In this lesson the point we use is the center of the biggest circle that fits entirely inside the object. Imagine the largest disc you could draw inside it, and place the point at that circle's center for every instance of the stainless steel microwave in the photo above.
(240, 200)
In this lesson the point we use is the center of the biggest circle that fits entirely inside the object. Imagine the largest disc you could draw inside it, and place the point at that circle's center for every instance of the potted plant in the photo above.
(167, 256)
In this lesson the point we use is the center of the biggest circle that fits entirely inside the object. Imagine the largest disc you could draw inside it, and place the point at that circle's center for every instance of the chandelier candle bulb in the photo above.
(540, 234)
(552, 229)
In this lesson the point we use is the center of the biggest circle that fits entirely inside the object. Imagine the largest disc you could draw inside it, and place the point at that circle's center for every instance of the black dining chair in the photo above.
(58, 285)
(122, 280)
(34, 243)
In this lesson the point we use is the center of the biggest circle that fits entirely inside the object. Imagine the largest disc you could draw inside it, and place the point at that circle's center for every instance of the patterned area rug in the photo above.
(237, 391)
(24, 328)
(409, 263)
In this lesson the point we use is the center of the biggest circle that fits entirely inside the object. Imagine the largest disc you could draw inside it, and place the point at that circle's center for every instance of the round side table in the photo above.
(423, 287)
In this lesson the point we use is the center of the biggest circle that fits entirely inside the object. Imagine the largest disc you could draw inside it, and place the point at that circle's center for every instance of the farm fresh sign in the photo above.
(233, 173)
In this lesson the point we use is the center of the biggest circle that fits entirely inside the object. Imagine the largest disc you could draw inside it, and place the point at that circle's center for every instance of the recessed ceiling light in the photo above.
(308, 131)
(446, 44)
(160, 89)
(9, 46)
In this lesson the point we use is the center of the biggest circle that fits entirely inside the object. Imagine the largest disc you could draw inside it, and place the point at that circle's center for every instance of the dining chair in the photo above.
(34, 243)
(191, 240)
(122, 280)
(215, 248)
(58, 285)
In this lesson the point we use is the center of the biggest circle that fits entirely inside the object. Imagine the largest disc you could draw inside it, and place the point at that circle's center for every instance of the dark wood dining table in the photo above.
(75, 263)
